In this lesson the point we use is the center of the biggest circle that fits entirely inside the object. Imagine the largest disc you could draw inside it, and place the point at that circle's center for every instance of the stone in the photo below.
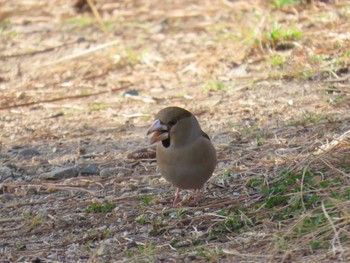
(60, 173)
(4, 198)
(5, 172)
(107, 172)
(121, 174)
(91, 169)
(64, 160)
(3, 188)
(28, 152)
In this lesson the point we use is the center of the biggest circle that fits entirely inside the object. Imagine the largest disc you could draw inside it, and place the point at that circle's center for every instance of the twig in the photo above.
(237, 253)
(34, 52)
(25, 204)
(334, 168)
(12, 219)
(218, 204)
(97, 15)
(302, 187)
(67, 188)
(81, 53)
(345, 78)
(59, 99)
(336, 234)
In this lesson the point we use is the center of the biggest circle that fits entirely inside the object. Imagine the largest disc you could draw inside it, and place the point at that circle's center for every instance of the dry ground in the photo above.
(269, 82)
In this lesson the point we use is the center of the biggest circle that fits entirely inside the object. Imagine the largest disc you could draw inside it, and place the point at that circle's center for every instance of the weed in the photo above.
(283, 3)
(313, 117)
(126, 57)
(307, 73)
(211, 85)
(147, 251)
(146, 248)
(316, 59)
(278, 35)
(277, 60)
(104, 207)
(146, 199)
(37, 220)
(20, 246)
(88, 245)
(310, 223)
(181, 213)
(232, 224)
(229, 174)
(206, 253)
(129, 253)
(142, 219)
(315, 244)
(82, 21)
(157, 228)
(291, 192)
(255, 182)
(97, 106)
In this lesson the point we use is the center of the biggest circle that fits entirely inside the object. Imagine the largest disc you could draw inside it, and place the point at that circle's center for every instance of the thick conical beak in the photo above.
(159, 130)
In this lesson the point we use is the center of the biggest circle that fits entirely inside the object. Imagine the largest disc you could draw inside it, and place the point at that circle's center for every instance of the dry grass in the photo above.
(269, 82)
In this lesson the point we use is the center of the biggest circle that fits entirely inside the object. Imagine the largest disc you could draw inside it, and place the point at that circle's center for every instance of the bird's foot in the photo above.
(192, 200)
(197, 196)
(188, 201)
(176, 199)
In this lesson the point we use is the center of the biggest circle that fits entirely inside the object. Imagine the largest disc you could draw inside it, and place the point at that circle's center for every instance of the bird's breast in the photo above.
(188, 166)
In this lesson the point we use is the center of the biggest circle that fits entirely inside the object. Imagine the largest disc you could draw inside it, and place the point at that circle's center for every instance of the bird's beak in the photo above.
(159, 130)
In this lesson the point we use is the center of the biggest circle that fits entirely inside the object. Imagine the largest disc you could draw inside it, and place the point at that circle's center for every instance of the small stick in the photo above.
(81, 53)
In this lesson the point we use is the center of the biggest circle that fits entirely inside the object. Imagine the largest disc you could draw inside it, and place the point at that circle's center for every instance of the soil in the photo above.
(80, 83)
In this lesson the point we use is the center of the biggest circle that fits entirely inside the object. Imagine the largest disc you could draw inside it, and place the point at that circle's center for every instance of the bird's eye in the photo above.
(172, 123)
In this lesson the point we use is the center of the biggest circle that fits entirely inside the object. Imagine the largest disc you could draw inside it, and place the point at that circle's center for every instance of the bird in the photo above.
(185, 154)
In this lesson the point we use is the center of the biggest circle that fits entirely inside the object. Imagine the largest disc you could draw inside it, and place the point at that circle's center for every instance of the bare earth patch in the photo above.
(268, 80)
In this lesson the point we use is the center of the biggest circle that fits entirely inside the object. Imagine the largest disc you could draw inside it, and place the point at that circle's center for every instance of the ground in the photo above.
(80, 82)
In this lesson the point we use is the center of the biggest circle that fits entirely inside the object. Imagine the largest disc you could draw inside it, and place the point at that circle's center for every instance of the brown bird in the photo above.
(185, 155)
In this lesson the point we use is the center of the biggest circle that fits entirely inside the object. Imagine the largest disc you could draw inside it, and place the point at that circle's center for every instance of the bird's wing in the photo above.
(205, 135)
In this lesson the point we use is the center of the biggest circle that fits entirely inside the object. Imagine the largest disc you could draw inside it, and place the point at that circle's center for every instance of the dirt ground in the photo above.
(80, 82)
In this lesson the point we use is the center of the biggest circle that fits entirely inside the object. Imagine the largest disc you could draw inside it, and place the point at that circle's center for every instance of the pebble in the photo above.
(28, 152)
(62, 160)
(132, 92)
(91, 169)
(102, 250)
(60, 173)
(3, 188)
(5, 172)
(31, 191)
(107, 172)
(121, 174)
(4, 198)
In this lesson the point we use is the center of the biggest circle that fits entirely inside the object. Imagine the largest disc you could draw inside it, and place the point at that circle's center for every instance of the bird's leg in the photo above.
(177, 195)
(197, 196)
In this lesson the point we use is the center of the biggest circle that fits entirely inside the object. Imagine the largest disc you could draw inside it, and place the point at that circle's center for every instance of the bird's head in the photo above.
(173, 124)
